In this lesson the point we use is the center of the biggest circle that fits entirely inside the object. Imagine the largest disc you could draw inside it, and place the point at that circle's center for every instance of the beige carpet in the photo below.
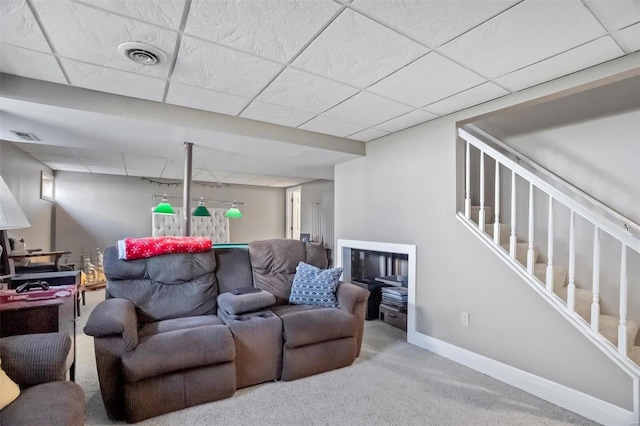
(391, 383)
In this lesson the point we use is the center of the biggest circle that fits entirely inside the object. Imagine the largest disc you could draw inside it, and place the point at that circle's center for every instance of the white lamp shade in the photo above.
(11, 215)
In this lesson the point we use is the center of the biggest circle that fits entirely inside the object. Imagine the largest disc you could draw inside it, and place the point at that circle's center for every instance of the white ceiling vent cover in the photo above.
(142, 53)
(25, 135)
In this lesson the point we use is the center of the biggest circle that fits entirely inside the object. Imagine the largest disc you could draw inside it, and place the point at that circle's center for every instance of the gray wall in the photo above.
(96, 210)
(318, 192)
(405, 191)
(22, 174)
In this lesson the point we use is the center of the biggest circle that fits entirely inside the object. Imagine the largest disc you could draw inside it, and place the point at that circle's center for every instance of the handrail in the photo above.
(603, 223)
(478, 133)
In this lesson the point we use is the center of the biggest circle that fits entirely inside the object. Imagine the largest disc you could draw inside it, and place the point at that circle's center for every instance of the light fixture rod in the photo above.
(240, 203)
(186, 195)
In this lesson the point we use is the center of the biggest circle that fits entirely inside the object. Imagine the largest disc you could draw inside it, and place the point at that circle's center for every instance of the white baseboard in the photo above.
(585, 405)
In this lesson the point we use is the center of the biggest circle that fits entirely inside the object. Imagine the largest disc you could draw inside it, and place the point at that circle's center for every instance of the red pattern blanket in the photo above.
(139, 248)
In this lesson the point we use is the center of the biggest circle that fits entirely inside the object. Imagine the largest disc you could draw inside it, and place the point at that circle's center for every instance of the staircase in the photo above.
(536, 198)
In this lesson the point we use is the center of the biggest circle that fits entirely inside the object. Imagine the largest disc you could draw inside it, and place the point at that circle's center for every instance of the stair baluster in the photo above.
(622, 328)
(467, 188)
(481, 214)
(513, 239)
(571, 286)
(530, 251)
(496, 213)
(550, 274)
(595, 305)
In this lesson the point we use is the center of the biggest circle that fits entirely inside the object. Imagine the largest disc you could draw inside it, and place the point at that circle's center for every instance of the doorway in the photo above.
(293, 210)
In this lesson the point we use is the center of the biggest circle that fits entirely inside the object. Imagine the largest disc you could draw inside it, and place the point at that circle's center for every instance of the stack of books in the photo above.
(396, 297)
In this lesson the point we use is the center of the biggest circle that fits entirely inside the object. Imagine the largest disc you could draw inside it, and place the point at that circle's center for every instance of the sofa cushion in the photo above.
(274, 264)
(53, 403)
(307, 326)
(237, 304)
(315, 286)
(163, 287)
(177, 324)
(170, 351)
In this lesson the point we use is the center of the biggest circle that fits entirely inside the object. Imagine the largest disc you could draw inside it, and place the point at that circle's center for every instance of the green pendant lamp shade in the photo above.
(164, 207)
(201, 210)
(233, 212)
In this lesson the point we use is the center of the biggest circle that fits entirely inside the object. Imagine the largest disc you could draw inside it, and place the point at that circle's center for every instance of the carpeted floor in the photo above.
(391, 383)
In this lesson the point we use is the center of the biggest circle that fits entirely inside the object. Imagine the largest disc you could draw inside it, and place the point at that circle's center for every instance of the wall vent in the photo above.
(25, 135)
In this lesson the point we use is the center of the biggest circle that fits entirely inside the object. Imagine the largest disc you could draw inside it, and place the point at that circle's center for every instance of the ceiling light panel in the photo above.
(407, 120)
(582, 57)
(367, 109)
(303, 91)
(208, 100)
(368, 135)
(527, 33)
(219, 68)
(241, 24)
(474, 96)
(167, 13)
(331, 126)
(427, 80)
(433, 22)
(19, 26)
(95, 35)
(30, 64)
(358, 51)
(615, 15)
(113, 81)
(276, 114)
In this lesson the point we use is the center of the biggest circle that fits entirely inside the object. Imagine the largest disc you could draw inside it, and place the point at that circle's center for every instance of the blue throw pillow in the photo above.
(315, 286)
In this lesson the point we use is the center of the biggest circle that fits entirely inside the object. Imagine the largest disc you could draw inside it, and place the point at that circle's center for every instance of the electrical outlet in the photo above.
(464, 319)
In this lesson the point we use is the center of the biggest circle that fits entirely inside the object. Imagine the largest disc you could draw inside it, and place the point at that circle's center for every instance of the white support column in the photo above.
(622, 328)
(513, 239)
(530, 250)
(571, 286)
(595, 304)
(467, 180)
(550, 274)
(496, 210)
(481, 214)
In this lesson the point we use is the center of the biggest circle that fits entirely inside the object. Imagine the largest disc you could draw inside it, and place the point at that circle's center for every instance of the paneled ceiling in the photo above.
(344, 72)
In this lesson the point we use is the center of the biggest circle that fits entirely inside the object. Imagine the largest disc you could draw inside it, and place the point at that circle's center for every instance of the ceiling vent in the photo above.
(25, 135)
(141, 53)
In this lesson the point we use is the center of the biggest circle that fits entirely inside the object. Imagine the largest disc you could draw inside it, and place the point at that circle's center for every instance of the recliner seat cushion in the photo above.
(308, 326)
(170, 351)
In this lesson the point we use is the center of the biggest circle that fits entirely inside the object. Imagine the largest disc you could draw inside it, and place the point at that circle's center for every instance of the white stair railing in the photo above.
(559, 192)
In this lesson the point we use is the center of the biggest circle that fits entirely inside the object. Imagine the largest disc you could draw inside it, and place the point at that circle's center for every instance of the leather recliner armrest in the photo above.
(350, 295)
(114, 316)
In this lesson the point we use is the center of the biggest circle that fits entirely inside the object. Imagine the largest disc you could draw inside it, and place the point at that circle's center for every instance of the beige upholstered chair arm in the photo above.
(349, 296)
(114, 317)
(32, 359)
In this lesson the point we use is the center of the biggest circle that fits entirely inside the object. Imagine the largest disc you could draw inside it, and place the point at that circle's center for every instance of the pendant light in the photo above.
(233, 212)
(164, 207)
(201, 210)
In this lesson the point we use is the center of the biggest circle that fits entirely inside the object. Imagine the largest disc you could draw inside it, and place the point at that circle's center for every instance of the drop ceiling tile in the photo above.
(134, 160)
(20, 28)
(358, 51)
(240, 178)
(368, 135)
(218, 175)
(276, 114)
(303, 91)
(585, 56)
(433, 22)
(67, 167)
(367, 109)
(407, 120)
(219, 68)
(268, 180)
(172, 174)
(615, 15)
(241, 24)
(426, 80)
(167, 13)
(527, 33)
(331, 126)
(113, 81)
(144, 172)
(59, 158)
(39, 148)
(630, 36)
(208, 100)
(291, 182)
(30, 64)
(107, 170)
(94, 36)
(474, 96)
(92, 154)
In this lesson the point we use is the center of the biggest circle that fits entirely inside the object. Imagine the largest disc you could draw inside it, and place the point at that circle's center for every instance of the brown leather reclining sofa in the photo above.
(171, 334)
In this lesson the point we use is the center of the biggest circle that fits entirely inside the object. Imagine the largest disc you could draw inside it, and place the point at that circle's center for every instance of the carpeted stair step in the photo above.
(583, 301)
(559, 275)
(488, 214)
(633, 352)
(609, 329)
(521, 252)
(505, 232)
